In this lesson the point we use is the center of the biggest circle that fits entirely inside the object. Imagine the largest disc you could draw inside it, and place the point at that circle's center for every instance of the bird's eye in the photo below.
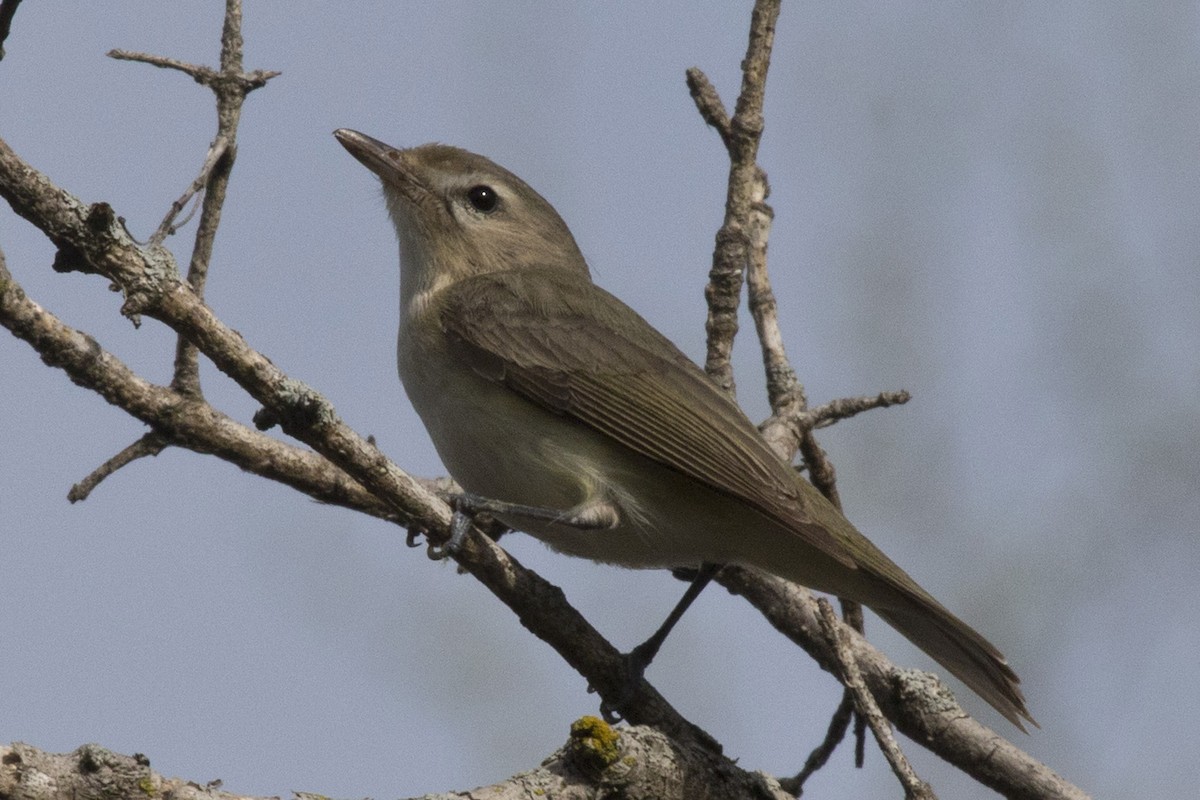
(483, 198)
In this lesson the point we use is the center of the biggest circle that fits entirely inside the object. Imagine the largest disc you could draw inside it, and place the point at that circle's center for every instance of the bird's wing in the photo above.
(576, 350)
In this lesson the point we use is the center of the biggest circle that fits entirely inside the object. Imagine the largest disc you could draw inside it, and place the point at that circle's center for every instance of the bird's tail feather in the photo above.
(960, 649)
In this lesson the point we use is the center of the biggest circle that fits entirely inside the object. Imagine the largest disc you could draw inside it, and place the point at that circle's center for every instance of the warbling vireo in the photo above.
(544, 392)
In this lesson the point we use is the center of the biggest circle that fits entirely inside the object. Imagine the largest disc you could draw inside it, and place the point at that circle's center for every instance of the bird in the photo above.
(562, 412)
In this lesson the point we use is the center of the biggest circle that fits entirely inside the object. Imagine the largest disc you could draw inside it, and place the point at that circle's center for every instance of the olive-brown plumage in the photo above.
(540, 388)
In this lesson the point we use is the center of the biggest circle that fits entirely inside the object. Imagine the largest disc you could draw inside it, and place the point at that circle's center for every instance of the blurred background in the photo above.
(994, 208)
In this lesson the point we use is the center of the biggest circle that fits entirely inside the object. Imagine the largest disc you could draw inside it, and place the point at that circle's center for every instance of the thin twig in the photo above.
(741, 136)
(747, 186)
(828, 413)
(167, 227)
(150, 444)
(821, 472)
(921, 707)
(864, 703)
(708, 103)
(181, 421)
(231, 85)
(741, 253)
(742, 246)
(198, 73)
(741, 242)
(186, 218)
(838, 724)
(231, 88)
(201, 74)
(784, 431)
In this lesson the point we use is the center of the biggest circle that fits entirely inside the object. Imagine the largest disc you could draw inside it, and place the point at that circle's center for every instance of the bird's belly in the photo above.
(492, 440)
(498, 445)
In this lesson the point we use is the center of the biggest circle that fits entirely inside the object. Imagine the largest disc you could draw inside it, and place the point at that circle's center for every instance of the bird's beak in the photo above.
(382, 159)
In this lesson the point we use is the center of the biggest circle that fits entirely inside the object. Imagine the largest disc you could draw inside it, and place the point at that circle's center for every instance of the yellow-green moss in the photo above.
(594, 742)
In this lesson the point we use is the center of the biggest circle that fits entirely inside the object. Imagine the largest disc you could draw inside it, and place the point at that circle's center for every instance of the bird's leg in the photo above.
(594, 516)
(640, 657)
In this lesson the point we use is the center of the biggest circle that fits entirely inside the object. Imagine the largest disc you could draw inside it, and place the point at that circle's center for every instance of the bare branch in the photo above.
(747, 186)
(825, 415)
(742, 244)
(91, 771)
(150, 444)
(167, 227)
(176, 418)
(203, 75)
(838, 724)
(746, 206)
(914, 787)
(231, 85)
(741, 251)
(596, 761)
(783, 431)
(916, 702)
(708, 103)
(198, 73)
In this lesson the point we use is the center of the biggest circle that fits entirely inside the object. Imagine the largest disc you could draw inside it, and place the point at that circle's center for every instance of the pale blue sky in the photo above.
(993, 207)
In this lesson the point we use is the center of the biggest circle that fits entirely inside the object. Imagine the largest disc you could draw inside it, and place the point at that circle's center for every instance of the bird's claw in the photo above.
(460, 524)
(634, 671)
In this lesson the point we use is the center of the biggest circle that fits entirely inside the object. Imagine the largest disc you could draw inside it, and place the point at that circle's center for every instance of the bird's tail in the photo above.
(825, 552)
(959, 648)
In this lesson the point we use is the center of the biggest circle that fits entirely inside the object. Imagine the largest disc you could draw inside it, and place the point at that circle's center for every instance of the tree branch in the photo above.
(230, 84)
(783, 431)
(747, 186)
(595, 763)
(864, 703)
(916, 702)
(178, 419)
(150, 444)
(742, 250)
